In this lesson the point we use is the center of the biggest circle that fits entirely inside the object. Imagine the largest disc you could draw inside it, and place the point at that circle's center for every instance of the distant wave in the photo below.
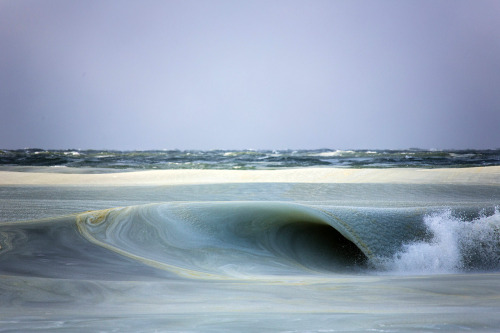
(224, 240)
(336, 153)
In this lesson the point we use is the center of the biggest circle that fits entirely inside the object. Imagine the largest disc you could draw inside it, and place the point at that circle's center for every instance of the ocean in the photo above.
(250, 241)
(249, 159)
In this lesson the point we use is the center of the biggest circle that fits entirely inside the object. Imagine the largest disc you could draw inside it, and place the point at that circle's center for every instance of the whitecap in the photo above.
(333, 153)
(456, 245)
(72, 153)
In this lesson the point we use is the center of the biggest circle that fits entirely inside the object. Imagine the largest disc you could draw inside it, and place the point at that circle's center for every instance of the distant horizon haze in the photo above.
(220, 74)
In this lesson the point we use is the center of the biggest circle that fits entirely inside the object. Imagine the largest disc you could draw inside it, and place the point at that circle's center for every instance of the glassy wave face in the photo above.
(251, 240)
(249, 159)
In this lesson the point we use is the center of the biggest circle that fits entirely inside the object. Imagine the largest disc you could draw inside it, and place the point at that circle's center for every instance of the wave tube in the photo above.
(250, 238)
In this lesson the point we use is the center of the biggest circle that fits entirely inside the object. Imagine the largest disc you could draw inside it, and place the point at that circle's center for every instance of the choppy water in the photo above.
(248, 159)
(249, 257)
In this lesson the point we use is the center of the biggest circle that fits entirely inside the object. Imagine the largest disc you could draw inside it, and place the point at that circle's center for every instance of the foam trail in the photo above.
(455, 245)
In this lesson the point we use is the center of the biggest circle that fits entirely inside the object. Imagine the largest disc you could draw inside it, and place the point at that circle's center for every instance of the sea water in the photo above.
(249, 257)
(248, 159)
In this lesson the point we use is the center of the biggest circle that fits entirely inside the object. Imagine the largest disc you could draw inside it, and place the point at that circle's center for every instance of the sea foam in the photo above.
(454, 245)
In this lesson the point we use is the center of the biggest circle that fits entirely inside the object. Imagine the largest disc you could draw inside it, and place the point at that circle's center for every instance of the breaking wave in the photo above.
(224, 240)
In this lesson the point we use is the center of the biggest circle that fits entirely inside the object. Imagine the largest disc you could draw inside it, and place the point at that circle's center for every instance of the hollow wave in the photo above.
(225, 240)
(264, 238)
(228, 239)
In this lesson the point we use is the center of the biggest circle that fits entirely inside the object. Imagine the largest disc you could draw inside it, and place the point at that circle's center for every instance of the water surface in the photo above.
(249, 256)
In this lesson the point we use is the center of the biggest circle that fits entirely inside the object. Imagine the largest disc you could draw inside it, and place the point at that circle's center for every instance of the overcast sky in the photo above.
(232, 74)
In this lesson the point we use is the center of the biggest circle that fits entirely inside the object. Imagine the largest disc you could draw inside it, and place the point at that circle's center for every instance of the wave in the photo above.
(336, 153)
(225, 240)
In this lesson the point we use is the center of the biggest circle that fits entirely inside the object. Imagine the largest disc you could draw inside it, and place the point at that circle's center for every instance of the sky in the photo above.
(259, 74)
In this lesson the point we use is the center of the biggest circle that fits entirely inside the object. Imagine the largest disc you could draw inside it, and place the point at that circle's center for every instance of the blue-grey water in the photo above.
(249, 257)
(249, 159)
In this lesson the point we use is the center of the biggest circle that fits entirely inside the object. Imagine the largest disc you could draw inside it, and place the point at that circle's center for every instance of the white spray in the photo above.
(456, 246)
